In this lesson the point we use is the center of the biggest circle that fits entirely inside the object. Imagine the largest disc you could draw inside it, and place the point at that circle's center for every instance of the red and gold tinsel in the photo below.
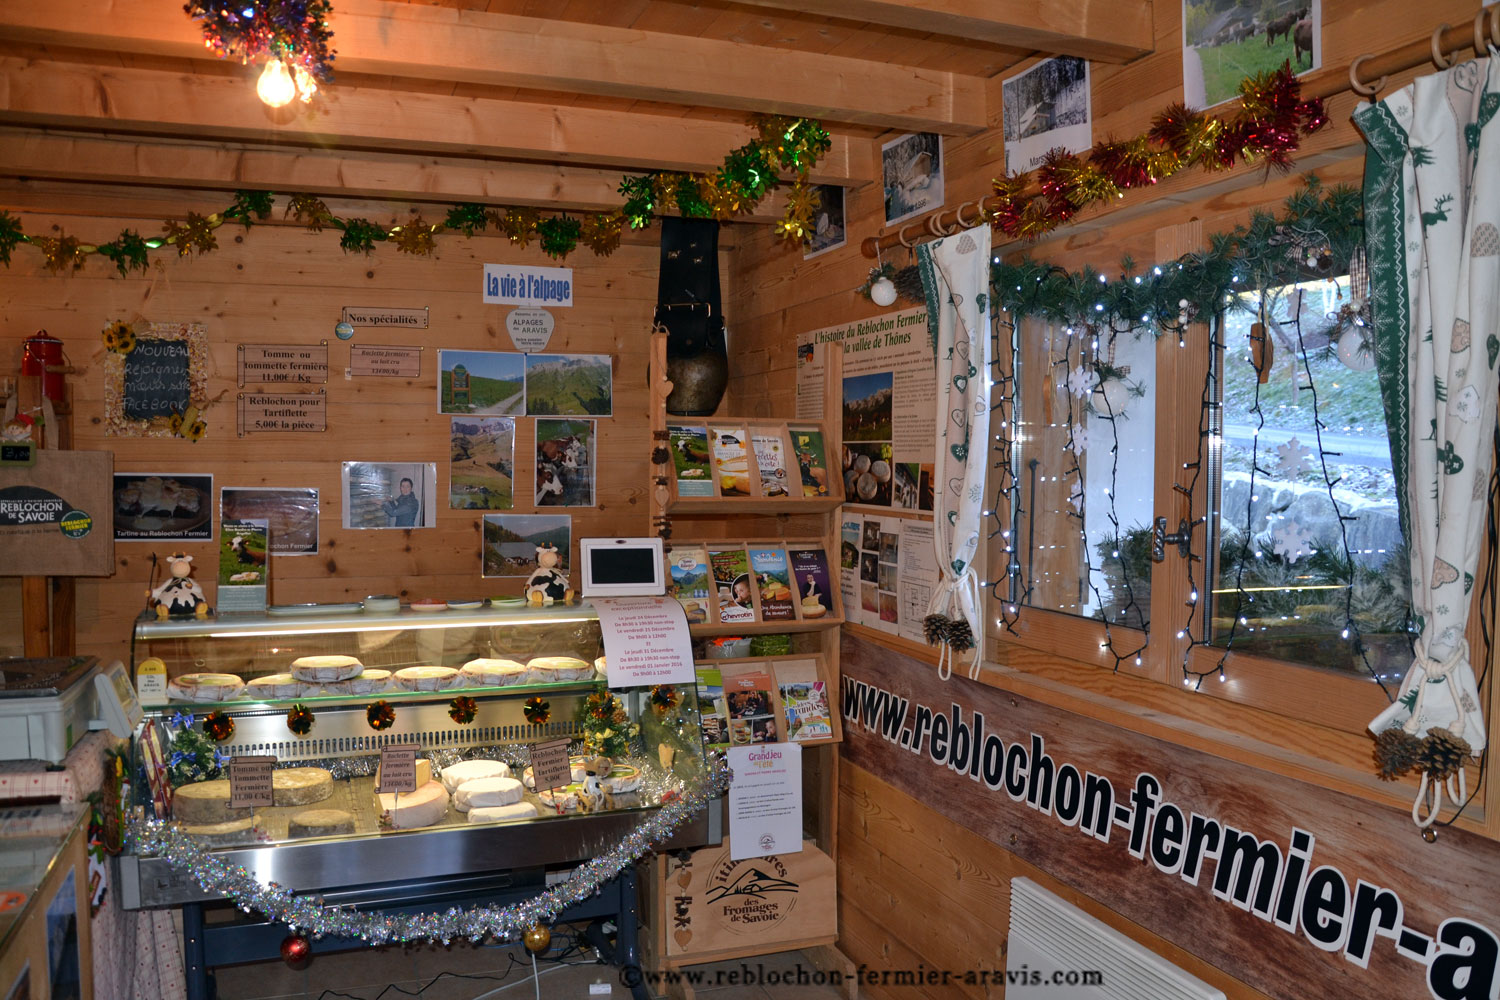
(537, 711)
(1268, 126)
(664, 698)
(463, 709)
(380, 715)
(218, 726)
(299, 720)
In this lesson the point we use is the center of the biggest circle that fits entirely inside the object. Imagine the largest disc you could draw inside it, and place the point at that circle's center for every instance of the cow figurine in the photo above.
(180, 594)
(546, 585)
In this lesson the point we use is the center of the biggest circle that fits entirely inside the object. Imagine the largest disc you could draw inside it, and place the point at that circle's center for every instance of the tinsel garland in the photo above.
(293, 31)
(463, 709)
(749, 174)
(308, 914)
(1267, 126)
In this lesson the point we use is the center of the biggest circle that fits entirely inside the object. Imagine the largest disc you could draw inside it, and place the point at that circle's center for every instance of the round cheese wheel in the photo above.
(275, 686)
(601, 668)
(812, 607)
(320, 823)
(487, 792)
(234, 831)
(300, 786)
(427, 678)
(370, 681)
(321, 669)
(502, 814)
(489, 673)
(565, 799)
(576, 769)
(455, 775)
(621, 778)
(549, 669)
(409, 810)
(206, 687)
(205, 802)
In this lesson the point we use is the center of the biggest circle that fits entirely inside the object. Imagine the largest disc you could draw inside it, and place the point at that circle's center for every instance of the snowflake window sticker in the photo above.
(1080, 381)
(1293, 458)
(1291, 540)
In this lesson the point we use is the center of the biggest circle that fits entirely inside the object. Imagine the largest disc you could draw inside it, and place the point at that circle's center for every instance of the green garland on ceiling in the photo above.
(749, 174)
(1314, 236)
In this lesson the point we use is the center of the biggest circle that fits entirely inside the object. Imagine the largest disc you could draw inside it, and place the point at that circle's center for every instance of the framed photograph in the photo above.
(1224, 42)
(569, 385)
(291, 513)
(481, 463)
(564, 463)
(1046, 107)
(912, 168)
(511, 541)
(163, 506)
(481, 382)
(390, 494)
(828, 221)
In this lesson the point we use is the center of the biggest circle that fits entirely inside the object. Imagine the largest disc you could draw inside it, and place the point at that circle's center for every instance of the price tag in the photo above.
(250, 782)
(151, 681)
(549, 764)
(398, 768)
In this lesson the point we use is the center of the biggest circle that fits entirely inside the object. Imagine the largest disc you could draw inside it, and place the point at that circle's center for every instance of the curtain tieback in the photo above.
(952, 616)
(1439, 671)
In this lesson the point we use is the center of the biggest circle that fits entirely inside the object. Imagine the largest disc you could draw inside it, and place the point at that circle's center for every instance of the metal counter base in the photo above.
(208, 944)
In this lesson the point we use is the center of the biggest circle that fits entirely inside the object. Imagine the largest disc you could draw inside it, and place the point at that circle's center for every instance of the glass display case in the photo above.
(472, 690)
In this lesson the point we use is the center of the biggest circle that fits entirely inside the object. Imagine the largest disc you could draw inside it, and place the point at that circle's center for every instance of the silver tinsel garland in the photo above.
(307, 913)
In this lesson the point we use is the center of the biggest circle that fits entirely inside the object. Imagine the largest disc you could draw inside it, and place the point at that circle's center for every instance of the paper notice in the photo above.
(398, 768)
(765, 800)
(646, 641)
(250, 783)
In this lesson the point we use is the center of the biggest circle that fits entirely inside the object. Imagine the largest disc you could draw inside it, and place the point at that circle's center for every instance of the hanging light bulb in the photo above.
(275, 86)
(306, 85)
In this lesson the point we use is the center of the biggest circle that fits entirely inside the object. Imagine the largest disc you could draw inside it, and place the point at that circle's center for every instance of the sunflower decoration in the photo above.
(665, 698)
(300, 719)
(218, 726)
(463, 709)
(538, 712)
(119, 337)
(195, 430)
(380, 715)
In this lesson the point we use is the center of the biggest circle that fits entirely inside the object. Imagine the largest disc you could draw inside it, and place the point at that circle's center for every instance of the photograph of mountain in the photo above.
(511, 540)
(491, 382)
(569, 385)
(481, 463)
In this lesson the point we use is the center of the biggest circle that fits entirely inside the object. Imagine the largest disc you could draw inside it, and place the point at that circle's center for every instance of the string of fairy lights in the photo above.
(1011, 588)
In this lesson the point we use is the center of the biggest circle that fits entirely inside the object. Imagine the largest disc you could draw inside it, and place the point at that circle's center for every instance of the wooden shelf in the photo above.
(722, 507)
(765, 628)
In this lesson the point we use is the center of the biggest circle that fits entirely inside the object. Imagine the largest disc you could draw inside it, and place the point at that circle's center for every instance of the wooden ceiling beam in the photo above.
(119, 99)
(26, 153)
(1113, 31)
(445, 43)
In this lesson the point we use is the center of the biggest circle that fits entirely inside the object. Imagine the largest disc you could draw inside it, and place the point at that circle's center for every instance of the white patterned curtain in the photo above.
(955, 276)
(1432, 221)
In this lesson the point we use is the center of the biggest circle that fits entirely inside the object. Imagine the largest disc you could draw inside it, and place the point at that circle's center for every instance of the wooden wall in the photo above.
(283, 284)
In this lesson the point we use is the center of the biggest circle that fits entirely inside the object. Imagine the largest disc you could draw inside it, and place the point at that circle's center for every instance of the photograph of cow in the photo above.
(564, 463)
(1225, 41)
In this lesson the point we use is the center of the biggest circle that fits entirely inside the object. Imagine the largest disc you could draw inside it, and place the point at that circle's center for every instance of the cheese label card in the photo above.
(549, 764)
(398, 768)
(250, 782)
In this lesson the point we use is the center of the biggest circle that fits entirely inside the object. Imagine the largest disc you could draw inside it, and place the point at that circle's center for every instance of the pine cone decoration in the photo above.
(1396, 752)
(908, 282)
(933, 628)
(1442, 755)
(958, 636)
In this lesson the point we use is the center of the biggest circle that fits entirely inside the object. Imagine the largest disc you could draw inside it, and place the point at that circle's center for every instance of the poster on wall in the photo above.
(291, 514)
(1046, 107)
(244, 564)
(511, 541)
(389, 494)
(888, 570)
(1224, 41)
(912, 169)
(481, 463)
(828, 221)
(888, 406)
(481, 382)
(569, 385)
(564, 463)
(163, 506)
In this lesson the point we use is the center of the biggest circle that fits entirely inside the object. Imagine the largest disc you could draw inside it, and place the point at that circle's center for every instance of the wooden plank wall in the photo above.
(282, 284)
(897, 857)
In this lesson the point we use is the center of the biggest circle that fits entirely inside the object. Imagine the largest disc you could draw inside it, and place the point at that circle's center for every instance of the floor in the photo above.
(466, 972)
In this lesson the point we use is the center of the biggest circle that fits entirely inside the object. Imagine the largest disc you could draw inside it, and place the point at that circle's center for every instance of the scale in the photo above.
(49, 703)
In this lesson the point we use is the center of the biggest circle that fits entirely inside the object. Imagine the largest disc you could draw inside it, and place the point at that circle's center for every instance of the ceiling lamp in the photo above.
(292, 37)
(275, 86)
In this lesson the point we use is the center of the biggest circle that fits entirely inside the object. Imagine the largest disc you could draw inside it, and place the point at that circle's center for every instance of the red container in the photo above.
(39, 353)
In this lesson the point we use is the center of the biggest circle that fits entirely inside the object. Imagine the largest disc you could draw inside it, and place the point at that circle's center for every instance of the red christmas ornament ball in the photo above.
(296, 950)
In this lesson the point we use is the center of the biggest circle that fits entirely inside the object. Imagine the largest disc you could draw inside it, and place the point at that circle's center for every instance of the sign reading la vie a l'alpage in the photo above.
(518, 285)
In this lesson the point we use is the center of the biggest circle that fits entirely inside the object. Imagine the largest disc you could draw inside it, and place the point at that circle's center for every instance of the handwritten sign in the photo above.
(646, 641)
(282, 411)
(250, 782)
(392, 362)
(515, 285)
(398, 768)
(157, 382)
(549, 764)
(530, 329)
(283, 363)
(407, 319)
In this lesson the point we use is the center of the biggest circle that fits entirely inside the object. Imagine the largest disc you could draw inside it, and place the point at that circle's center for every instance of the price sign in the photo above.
(250, 783)
(398, 768)
(549, 764)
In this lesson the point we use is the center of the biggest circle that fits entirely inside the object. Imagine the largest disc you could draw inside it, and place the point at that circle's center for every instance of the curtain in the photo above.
(1432, 226)
(955, 277)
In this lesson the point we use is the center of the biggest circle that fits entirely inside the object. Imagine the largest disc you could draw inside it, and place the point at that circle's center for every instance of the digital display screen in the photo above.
(622, 564)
